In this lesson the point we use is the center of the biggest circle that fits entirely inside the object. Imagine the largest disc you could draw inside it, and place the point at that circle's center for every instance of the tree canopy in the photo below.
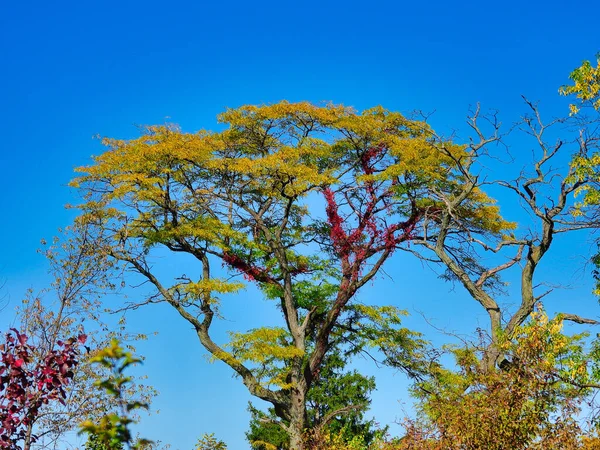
(307, 202)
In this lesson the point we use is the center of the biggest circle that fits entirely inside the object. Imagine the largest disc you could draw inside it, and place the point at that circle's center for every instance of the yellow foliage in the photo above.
(263, 445)
(262, 344)
(282, 150)
(529, 403)
(203, 288)
(585, 87)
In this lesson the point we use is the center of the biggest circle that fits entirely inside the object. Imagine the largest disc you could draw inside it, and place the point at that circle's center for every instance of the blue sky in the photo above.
(72, 70)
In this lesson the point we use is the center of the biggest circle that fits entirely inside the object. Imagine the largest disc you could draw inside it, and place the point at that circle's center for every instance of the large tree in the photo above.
(306, 202)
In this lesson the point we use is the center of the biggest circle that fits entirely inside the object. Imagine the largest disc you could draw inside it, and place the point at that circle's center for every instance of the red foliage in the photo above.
(370, 234)
(339, 238)
(366, 159)
(255, 273)
(354, 243)
(251, 273)
(27, 384)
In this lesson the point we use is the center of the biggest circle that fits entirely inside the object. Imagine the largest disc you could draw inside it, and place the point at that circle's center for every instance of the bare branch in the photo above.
(577, 319)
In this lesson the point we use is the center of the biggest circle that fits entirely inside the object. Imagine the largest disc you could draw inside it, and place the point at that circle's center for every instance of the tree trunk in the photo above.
(28, 435)
(298, 420)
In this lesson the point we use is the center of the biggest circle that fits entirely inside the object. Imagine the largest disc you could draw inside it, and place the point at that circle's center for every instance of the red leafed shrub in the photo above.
(28, 383)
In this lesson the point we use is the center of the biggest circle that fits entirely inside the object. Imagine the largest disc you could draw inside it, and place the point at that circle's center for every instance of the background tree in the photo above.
(525, 385)
(210, 442)
(544, 194)
(532, 404)
(80, 276)
(241, 198)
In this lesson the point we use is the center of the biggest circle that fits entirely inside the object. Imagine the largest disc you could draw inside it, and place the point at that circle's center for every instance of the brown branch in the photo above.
(202, 327)
(577, 319)
(345, 410)
(491, 272)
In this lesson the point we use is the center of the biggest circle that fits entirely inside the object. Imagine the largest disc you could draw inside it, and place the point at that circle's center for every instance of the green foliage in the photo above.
(95, 443)
(337, 390)
(210, 442)
(113, 430)
(265, 433)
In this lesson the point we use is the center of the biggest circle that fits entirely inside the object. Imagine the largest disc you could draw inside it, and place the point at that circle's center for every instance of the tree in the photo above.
(241, 198)
(80, 276)
(27, 384)
(514, 390)
(532, 403)
(547, 197)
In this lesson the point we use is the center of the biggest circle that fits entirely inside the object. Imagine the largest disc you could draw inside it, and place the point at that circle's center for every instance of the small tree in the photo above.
(28, 383)
(80, 276)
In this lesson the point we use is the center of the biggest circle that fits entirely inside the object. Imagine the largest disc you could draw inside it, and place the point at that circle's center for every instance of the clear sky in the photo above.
(72, 70)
